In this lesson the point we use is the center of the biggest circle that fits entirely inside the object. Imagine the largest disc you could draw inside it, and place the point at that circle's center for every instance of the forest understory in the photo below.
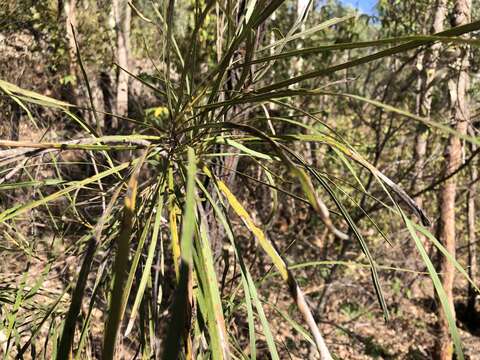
(218, 179)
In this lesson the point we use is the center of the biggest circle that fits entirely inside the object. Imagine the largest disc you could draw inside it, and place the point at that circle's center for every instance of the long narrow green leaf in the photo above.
(85, 78)
(68, 332)
(430, 123)
(149, 262)
(445, 253)
(218, 333)
(17, 210)
(360, 45)
(279, 263)
(181, 311)
(117, 299)
(136, 259)
(247, 283)
(312, 30)
(438, 288)
(459, 30)
(361, 240)
(44, 100)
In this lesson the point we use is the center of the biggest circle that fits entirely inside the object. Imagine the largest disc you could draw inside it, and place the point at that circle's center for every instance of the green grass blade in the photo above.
(279, 263)
(310, 31)
(31, 95)
(430, 123)
(68, 332)
(445, 253)
(85, 78)
(17, 210)
(438, 288)
(360, 45)
(251, 295)
(459, 30)
(208, 282)
(115, 313)
(361, 240)
(149, 261)
(181, 310)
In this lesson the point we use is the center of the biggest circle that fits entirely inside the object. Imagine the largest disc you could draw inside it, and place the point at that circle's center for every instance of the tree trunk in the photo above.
(105, 85)
(472, 240)
(69, 87)
(460, 115)
(428, 65)
(122, 15)
(71, 20)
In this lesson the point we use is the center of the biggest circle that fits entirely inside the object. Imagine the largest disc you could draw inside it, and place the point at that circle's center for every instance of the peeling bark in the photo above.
(458, 87)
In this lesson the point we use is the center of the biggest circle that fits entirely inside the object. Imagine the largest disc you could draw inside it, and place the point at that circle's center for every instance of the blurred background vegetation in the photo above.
(239, 179)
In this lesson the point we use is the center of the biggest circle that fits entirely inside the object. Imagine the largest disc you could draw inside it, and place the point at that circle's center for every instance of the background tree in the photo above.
(254, 197)
(122, 16)
(458, 87)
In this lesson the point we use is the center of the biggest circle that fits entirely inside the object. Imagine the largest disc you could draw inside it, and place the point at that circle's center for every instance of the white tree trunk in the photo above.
(71, 20)
(122, 15)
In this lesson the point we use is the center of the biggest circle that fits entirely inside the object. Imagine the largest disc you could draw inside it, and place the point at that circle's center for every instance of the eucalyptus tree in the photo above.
(427, 64)
(460, 117)
(143, 239)
(122, 18)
